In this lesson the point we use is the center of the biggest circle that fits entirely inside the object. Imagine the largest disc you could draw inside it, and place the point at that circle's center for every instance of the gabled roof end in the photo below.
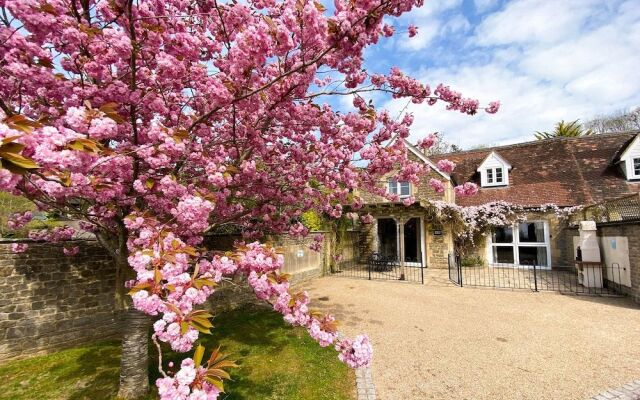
(496, 155)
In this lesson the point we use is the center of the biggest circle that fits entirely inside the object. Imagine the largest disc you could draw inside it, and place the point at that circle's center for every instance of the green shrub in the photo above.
(472, 261)
(313, 221)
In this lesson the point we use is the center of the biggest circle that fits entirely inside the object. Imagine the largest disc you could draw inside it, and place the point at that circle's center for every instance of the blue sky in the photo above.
(545, 60)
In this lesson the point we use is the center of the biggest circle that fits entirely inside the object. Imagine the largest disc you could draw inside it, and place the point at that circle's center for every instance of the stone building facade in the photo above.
(563, 172)
(409, 234)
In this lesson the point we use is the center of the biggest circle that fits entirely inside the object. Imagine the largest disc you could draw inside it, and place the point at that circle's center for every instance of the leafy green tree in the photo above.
(565, 129)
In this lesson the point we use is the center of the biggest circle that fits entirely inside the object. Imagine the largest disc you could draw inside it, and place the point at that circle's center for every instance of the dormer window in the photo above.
(629, 160)
(402, 189)
(495, 176)
(494, 171)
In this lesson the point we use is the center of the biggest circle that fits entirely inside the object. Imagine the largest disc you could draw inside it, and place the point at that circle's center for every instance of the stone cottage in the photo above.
(410, 234)
(564, 172)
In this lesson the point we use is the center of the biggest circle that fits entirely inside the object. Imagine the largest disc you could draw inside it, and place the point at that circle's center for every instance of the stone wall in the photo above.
(50, 301)
(565, 243)
(421, 191)
(438, 246)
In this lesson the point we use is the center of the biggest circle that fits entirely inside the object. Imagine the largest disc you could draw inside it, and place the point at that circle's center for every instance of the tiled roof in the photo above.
(563, 171)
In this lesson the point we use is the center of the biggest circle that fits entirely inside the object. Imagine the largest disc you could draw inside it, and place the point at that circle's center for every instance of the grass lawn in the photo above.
(277, 362)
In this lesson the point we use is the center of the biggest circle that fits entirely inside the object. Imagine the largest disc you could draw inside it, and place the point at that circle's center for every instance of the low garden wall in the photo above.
(49, 301)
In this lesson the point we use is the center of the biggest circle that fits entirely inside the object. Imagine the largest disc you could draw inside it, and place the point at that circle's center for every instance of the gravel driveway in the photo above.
(436, 341)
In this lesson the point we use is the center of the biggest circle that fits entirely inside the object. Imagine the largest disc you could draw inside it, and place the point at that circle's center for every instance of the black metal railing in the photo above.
(380, 267)
(455, 274)
(583, 278)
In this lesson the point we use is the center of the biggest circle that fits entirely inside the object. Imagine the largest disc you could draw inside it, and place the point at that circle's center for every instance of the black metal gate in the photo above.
(455, 275)
(380, 267)
(584, 278)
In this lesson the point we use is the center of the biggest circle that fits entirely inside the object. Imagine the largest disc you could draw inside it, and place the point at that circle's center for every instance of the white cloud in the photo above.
(457, 23)
(428, 29)
(545, 60)
(527, 21)
(484, 5)
(432, 20)
(516, 121)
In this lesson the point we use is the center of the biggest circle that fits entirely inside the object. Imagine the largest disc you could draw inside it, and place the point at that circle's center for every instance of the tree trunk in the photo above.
(134, 325)
(134, 364)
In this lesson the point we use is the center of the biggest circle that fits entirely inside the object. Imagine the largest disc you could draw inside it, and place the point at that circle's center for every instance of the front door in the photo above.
(387, 237)
(412, 242)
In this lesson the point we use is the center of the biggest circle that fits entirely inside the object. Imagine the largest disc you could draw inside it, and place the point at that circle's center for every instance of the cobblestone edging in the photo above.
(630, 391)
(364, 384)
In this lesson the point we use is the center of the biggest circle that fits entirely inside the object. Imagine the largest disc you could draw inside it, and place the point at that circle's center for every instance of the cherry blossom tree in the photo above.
(156, 121)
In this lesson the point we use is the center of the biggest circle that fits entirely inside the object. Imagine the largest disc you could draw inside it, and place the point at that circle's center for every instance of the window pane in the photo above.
(498, 175)
(531, 232)
(405, 189)
(393, 186)
(636, 166)
(503, 255)
(502, 234)
(489, 176)
(533, 256)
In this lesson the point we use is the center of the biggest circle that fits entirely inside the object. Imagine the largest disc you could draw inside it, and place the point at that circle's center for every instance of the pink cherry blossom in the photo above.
(467, 189)
(158, 123)
(428, 142)
(71, 251)
(493, 108)
(436, 185)
(408, 200)
(356, 353)
(367, 219)
(388, 30)
(18, 220)
(446, 166)
(19, 247)
(182, 386)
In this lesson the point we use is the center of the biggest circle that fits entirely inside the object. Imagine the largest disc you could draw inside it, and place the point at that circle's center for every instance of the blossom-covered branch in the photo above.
(154, 122)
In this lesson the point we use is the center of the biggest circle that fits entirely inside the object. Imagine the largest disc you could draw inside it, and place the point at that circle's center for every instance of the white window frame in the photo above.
(517, 243)
(494, 176)
(634, 174)
(398, 187)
